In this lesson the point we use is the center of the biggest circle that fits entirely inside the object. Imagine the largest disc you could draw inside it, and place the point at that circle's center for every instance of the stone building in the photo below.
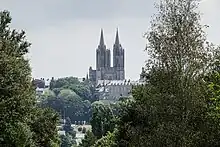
(104, 70)
(110, 80)
(114, 89)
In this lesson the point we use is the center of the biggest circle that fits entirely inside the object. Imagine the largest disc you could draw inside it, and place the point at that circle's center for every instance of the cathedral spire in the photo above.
(117, 38)
(101, 43)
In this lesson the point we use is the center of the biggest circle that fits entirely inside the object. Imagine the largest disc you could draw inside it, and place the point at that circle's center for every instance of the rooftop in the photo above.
(118, 82)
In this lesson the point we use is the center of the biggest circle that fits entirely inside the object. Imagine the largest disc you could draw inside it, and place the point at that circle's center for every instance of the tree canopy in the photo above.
(171, 109)
(70, 98)
(19, 114)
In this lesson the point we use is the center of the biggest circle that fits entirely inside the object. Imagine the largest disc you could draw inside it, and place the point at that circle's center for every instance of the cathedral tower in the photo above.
(118, 58)
(103, 55)
(104, 70)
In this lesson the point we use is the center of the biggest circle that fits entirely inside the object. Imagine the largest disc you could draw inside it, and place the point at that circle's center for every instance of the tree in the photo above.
(16, 90)
(65, 93)
(171, 108)
(86, 111)
(44, 127)
(213, 81)
(67, 103)
(83, 89)
(65, 141)
(75, 95)
(106, 141)
(18, 110)
(102, 119)
(89, 140)
(71, 104)
(68, 128)
(48, 94)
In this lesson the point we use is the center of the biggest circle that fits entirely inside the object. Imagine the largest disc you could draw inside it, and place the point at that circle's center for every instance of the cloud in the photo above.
(210, 16)
(65, 34)
(70, 48)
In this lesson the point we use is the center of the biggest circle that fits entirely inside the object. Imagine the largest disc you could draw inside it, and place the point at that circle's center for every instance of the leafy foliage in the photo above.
(19, 115)
(68, 103)
(213, 82)
(89, 140)
(106, 141)
(83, 89)
(68, 128)
(171, 109)
(102, 119)
(44, 127)
(71, 97)
(65, 141)
(16, 92)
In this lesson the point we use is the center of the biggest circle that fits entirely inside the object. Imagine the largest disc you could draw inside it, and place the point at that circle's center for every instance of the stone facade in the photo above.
(110, 80)
(112, 90)
(104, 70)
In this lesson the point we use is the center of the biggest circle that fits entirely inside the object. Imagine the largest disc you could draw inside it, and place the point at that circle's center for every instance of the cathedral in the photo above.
(110, 80)
(104, 70)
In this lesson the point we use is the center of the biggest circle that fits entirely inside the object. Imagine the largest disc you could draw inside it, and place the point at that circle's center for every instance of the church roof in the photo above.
(101, 43)
(117, 38)
(118, 82)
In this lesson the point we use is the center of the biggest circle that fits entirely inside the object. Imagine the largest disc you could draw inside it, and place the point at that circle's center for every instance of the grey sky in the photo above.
(65, 33)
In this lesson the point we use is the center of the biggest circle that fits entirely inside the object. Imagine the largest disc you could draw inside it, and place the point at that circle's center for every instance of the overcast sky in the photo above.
(65, 33)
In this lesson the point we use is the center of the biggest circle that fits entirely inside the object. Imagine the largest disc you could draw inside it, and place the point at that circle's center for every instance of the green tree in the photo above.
(48, 94)
(65, 93)
(87, 113)
(89, 140)
(106, 141)
(44, 129)
(67, 103)
(18, 110)
(65, 141)
(103, 119)
(213, 82)
(64, 89)
(71, 103)
(68, 128)
(16, 90)
(83, 89)
(171, 108)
